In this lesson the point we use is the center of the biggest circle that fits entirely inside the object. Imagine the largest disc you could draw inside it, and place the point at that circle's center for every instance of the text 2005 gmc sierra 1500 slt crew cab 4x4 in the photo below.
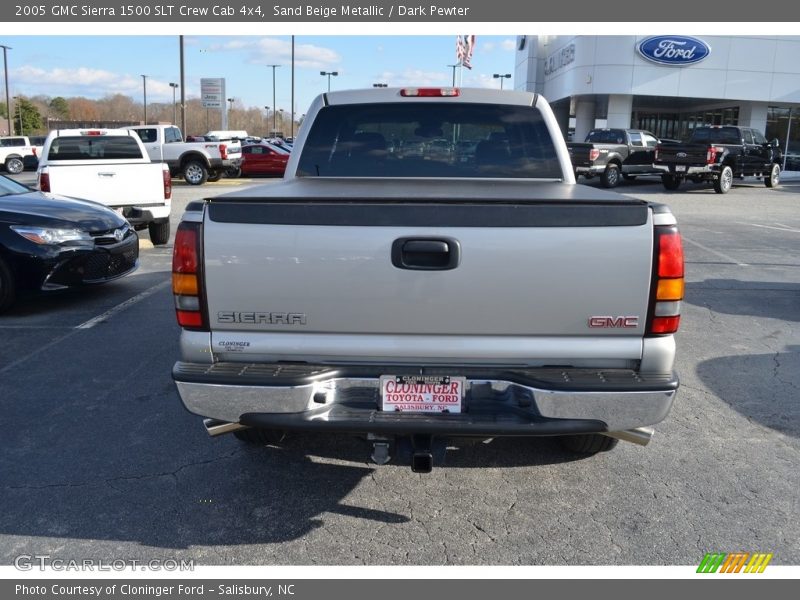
(428, 268)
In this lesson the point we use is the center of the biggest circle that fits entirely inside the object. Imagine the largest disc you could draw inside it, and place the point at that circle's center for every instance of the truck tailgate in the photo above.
(544, 273)
(111, 183)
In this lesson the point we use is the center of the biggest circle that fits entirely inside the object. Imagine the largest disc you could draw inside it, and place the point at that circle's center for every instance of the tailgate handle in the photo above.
(426, 254)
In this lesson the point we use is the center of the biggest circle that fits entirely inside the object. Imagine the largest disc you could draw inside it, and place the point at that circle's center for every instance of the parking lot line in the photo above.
(721, 255)
(782, 228)
(120, 307)
(87, 325)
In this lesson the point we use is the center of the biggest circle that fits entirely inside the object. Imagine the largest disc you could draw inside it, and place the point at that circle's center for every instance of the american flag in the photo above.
(465, 46)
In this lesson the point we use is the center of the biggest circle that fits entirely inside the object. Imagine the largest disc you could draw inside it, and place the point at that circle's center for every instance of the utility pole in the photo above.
(8, 101)
(183, 90)
(273, 96)
(292, 134)
(329, 73)
(144, 87)
(501, 78)
(174, 87)
(454, 67)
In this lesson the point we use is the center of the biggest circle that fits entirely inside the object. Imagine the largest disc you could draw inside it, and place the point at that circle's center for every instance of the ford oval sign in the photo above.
(674, 50)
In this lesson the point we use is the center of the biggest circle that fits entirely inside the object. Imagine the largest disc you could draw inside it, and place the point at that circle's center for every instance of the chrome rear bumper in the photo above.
(506, 402)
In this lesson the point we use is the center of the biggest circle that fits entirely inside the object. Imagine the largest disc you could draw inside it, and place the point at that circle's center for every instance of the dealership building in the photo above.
(667, 84)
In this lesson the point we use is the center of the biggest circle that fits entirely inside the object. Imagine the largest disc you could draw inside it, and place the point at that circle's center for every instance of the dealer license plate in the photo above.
(422, 393)
(680, 168)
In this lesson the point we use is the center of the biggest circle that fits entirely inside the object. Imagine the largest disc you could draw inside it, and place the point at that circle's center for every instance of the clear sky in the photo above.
(97, 66)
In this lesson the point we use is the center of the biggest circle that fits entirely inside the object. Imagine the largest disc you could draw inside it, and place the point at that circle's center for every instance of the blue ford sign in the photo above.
(675, 50)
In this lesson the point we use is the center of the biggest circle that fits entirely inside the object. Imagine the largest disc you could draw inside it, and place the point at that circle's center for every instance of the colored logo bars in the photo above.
(734, 562)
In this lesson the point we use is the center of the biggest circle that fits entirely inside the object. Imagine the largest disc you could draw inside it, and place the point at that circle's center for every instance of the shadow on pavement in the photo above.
(773, 404)
(768, 299)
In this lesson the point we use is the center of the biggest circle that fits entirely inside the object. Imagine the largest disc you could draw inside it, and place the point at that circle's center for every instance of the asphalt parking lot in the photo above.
(100, 460)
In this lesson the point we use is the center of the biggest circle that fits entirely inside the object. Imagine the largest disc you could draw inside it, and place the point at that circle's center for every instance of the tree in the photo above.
(83, 109)
(26, 117)
(59, 108)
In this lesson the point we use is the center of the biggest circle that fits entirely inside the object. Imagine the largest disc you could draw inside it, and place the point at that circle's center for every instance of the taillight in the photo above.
(223, 151)
(34, 151)
(668, 288)
(711, 154)
(44, 182)
(187, 285)
(430, 92)
(167, 184)
(594, 153)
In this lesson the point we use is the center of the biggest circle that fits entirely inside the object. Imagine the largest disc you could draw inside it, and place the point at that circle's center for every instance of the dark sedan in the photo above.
(261, 159)
(49, 242)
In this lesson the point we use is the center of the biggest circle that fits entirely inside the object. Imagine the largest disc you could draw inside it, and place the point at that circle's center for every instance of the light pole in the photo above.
(18, 102)
(174, 87)
(144, 87)
(230, 106)
(8, 102)
(273, 95)
(329, 73)
(454, 67)
(501, 77)
(266, 108)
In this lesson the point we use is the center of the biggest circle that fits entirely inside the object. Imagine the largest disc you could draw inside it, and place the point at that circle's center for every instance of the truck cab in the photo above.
(196, 162)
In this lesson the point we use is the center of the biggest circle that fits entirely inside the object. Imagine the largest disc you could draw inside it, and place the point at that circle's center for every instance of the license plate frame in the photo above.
(680, 168)
(422, 394)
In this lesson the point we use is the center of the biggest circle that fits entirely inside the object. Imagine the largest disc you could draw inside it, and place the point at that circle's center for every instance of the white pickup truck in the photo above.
(15, 151)
(197, 162)
(428, 268)
(111, 167)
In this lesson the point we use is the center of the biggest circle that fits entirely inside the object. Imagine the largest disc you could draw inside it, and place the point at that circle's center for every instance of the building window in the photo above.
(783, 124)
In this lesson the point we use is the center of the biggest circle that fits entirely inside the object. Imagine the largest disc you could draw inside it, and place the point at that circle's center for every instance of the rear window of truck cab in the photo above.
(606, 136)
(717, 135)
(429, 139)
(86, 147)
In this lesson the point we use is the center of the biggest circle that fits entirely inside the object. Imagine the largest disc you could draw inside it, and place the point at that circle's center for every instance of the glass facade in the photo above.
(679, 126)
(784, 124)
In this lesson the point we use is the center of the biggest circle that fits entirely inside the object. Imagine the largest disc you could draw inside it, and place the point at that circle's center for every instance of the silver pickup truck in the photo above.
(429, 269)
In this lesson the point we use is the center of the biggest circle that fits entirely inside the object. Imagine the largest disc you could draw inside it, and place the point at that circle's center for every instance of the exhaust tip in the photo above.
(215, 427)
(422, 462)
(639, 435)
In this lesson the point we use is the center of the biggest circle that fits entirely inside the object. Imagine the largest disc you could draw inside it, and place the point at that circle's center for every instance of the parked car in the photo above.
(613, 154)
(15, 152)
(261, 159)
(718, 154)
(37, 145)
(490, 299)
(50, 242)
(111, 167)
(196, 162)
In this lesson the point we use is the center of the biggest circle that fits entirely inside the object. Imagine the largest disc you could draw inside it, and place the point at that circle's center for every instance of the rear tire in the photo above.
(723, 183)
(588, 443)
(261, 437)
(610, 177)
(233, 172)
(8, 287)
(774, 178)
(14, 165)
(159, 233)
(670, 182)
(195, 173)
(215, 176)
